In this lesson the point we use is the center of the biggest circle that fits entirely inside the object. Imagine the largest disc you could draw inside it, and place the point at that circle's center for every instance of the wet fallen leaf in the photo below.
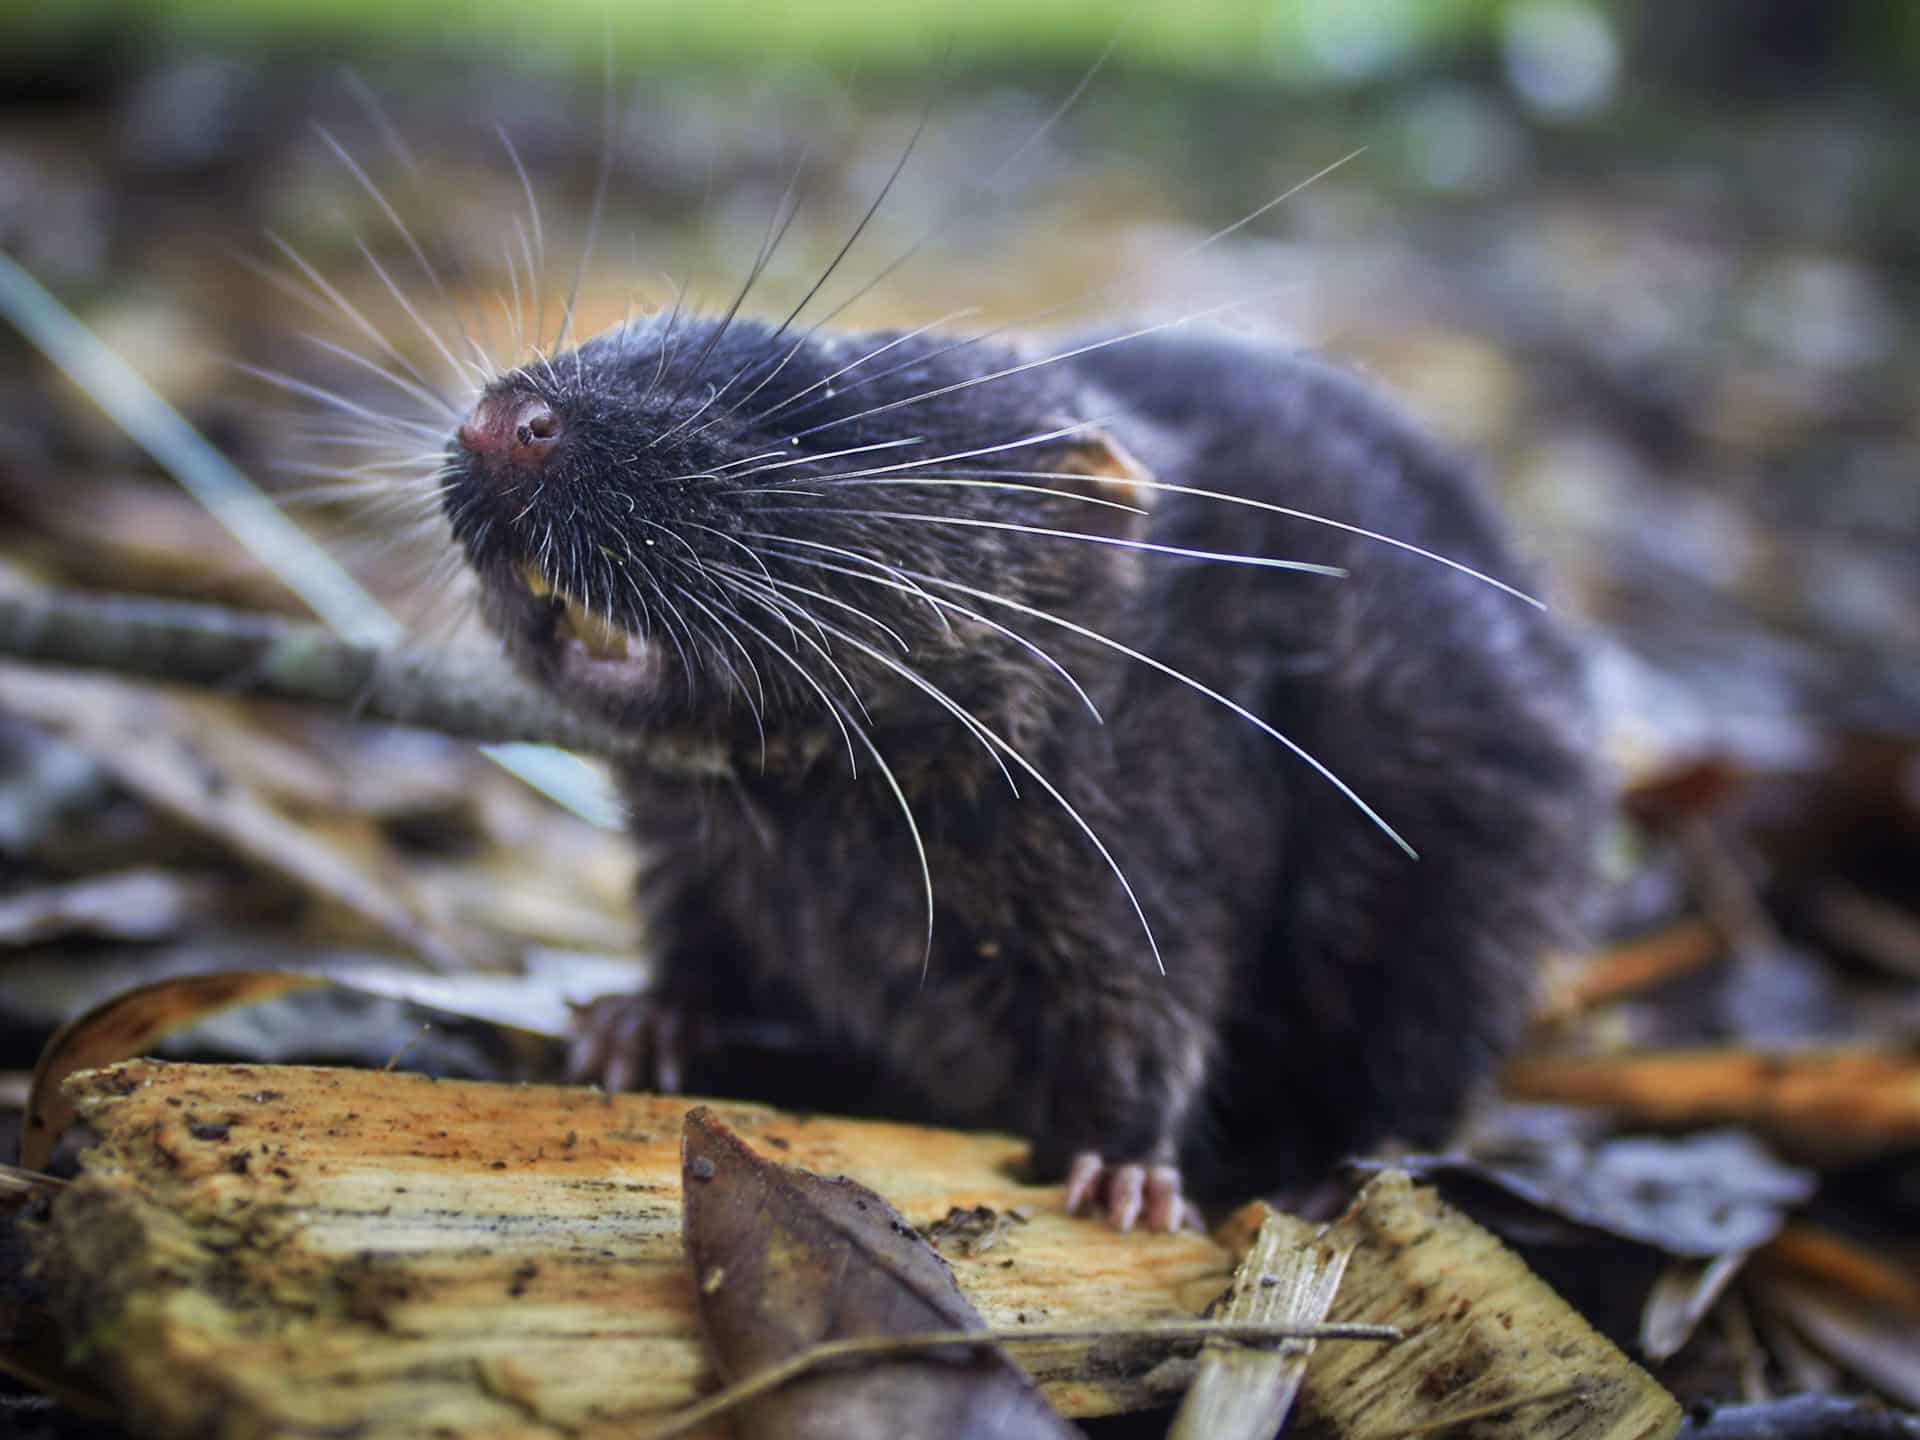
(1698, 1197)
(782, 1260)
(1803, 1417)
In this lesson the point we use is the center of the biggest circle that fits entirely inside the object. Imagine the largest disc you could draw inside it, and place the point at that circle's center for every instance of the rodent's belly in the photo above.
(815, 912)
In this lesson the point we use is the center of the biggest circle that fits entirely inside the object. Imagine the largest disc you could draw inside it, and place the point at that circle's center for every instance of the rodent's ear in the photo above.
(1096, 464)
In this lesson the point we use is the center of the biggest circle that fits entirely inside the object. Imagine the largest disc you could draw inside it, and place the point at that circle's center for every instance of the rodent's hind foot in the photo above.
(1128, 1194)
(628, 1042)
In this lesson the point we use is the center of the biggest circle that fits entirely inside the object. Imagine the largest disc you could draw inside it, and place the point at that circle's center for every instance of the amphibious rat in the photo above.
(1040, 780)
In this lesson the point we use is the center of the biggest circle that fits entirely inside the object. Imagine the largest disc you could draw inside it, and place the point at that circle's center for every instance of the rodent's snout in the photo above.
(512, 430)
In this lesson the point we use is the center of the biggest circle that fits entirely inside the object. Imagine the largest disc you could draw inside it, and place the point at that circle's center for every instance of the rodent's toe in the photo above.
(627, 1042)
(1127, 1194)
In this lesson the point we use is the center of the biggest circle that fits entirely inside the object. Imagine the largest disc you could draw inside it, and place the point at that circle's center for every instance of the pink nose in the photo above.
(512, 430)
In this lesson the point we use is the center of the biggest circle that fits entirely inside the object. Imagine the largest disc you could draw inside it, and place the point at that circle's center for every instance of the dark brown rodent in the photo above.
(860, 570)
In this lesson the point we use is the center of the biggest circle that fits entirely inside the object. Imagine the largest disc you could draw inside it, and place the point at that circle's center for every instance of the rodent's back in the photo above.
(1456, 709)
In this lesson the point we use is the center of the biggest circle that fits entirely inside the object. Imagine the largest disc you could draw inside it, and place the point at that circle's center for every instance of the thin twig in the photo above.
(882, 1346)
(472, 694)
(20, 1184)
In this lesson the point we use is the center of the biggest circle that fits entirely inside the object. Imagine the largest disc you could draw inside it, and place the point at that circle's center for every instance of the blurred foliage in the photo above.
(1303, 41)
(1205, 35)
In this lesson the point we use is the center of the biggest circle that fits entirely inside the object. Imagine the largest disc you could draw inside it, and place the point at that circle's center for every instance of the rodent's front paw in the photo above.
(1127, 1193)
(628, 1042)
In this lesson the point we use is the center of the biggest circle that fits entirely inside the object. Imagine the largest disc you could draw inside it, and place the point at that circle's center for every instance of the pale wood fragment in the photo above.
(1242, 1394)
(257, 1251)
(1482, 1332)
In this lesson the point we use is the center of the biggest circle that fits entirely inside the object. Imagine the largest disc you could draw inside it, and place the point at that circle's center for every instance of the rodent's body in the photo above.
(1322, 990)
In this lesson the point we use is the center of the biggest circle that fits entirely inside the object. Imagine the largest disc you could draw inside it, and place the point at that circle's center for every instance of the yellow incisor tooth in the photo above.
(603, 639)
(535, 581)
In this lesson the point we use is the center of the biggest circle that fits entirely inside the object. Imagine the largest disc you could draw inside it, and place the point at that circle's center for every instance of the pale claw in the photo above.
(1126, 1194)
(627, 1042)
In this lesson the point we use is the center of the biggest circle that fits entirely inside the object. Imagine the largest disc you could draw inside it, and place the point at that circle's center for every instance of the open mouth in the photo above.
(597, 635)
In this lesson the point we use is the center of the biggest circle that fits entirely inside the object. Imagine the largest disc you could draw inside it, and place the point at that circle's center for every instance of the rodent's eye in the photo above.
(540, 424)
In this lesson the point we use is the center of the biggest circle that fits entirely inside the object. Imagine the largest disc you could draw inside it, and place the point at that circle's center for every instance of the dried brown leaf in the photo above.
(127, 1025)
(783, 1260)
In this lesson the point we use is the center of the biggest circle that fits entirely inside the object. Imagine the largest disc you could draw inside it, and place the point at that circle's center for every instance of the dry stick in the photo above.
(17, 1184)
(883, 1346)
(471, 694)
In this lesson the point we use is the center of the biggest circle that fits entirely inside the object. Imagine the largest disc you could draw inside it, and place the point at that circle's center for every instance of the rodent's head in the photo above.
(718, 527)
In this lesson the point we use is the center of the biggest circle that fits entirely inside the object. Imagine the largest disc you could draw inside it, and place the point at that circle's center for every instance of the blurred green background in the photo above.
(1302, 39)
(1652, 263)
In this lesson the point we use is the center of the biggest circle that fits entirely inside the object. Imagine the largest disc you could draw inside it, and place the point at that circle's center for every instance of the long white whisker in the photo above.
(941, 601)
(932, 601)
(793, 460)
(428, 399)
(1117, 542)
(990, 598)
(886, 271)
(406, 235)
(536, 253)
(848, 723)
(1077, 496)
(599, 191)
(465, 373)
(767, 248)
(375, 194)
(1169, 488)
(347, 308)
(775, 602)
(669, 616)
(758, 709)
(1082, 297)
(994, 741)
(713, 395)
(1038, 437)
(339, 402)
(765, 580)
(667, 343)
(878, 350)
(1029, 365)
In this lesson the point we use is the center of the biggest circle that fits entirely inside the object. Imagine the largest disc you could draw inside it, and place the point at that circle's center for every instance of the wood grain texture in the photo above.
(1481, 1332)
(259, 1251)
(1245, 1394)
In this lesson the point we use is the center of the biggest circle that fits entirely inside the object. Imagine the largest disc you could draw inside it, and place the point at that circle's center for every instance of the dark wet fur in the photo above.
(1322, 990)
